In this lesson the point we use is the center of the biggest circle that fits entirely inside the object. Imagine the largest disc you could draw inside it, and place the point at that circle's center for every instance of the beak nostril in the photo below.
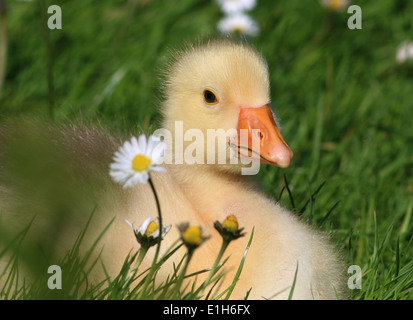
(264, 137)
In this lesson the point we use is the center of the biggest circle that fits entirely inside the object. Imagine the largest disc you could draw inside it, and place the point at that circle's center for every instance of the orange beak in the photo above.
(260, 138)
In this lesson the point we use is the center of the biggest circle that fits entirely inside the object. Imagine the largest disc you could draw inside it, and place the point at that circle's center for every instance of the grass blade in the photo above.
(290, 296)
(289, 192)
(241, 265)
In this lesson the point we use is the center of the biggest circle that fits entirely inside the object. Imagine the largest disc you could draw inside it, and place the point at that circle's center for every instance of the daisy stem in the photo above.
(214, 270)
(158, 247)
(182, 275)
(142, 253)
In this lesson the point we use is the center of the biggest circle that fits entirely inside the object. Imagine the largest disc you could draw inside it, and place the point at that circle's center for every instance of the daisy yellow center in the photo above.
(140, 162)
(152, 227)
(230, 223)
(336, 4)
(238, 30)
(192, 235)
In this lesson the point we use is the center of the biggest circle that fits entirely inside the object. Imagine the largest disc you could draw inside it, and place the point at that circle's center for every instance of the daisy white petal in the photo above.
(238, 24)
(153, 141)
(235, 6)
(133, 181)
(119, 177)
(158, 169)
(165, 230)
(119, 174)
(121, 154)
(128, 149)
(140, 177)
(119, 166)
(144, 225)
(156, 233)
(404, 52)
(127, 182)
(158, 153)
(131, 225)
(135, 145)
(120, 157)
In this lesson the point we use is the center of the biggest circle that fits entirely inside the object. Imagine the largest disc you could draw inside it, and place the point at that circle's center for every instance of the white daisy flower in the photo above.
(405, 52)
(238, 24)
(135, 159)
(147, 233)
(150, 227)
(235, 6)
(336, 5)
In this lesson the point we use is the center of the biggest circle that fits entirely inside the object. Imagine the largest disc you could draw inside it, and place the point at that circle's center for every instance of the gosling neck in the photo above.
(209, 181)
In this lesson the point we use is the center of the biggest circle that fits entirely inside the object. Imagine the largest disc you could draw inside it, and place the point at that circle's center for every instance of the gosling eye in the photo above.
(210, 97)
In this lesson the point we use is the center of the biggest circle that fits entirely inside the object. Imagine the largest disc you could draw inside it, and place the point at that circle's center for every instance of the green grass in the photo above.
(345, 104)
(132, 282)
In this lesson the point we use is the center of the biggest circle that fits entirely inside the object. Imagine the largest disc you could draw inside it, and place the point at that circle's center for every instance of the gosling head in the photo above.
(223, 87)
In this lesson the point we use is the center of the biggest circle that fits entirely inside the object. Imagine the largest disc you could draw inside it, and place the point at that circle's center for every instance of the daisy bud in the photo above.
(335, 5)
(228, 229)
(230, 223)
(192, 236)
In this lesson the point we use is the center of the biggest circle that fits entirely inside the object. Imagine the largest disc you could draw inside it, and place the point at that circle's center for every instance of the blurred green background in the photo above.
(345, 104)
